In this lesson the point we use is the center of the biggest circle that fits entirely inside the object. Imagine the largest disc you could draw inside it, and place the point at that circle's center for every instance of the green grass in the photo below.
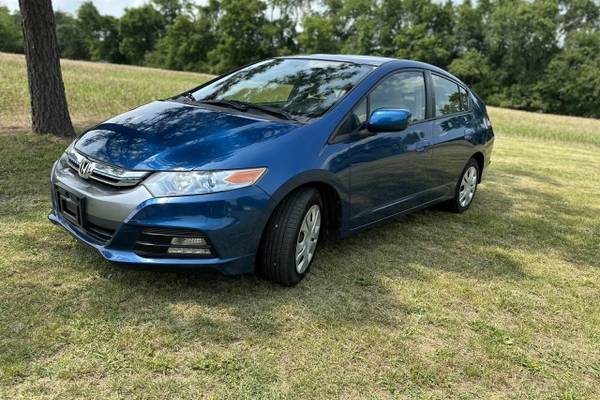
(556, 128)
(500, 302)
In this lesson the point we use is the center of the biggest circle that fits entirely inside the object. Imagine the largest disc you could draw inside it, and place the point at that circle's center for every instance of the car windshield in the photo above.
(304, 88)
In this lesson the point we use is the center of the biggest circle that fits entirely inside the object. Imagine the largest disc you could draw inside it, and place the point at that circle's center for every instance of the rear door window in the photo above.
(447, 96)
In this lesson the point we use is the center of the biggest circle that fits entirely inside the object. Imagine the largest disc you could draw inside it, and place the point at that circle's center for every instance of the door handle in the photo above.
(469, 133)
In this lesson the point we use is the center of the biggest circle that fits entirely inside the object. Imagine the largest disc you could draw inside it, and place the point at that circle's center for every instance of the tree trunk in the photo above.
(49, 112)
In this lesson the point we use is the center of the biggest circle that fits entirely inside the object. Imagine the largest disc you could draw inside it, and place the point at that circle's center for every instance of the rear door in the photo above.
(388, 169)
(452, 132)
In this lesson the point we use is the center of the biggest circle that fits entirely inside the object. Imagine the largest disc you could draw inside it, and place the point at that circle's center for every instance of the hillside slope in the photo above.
(95, 91)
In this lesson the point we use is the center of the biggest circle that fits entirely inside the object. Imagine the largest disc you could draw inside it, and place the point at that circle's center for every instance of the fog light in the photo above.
(188, 241)
(173, 243)
(188, 250)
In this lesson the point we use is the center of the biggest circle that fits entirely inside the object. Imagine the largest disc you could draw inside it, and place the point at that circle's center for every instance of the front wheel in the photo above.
(291, 238)
(465, 188)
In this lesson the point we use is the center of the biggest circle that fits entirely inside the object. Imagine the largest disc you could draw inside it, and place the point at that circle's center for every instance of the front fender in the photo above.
(315, 177)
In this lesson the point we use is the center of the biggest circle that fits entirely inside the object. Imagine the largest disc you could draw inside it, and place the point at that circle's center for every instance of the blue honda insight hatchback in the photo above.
(250, 171)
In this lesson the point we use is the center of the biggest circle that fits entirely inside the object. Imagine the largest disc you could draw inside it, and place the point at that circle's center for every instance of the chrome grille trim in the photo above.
(106, 174)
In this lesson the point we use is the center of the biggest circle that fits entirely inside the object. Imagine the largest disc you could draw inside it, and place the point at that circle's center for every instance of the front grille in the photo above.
(165, 242)
(106, 174)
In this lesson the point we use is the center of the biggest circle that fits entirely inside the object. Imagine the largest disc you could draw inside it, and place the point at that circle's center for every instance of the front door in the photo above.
(388, 170)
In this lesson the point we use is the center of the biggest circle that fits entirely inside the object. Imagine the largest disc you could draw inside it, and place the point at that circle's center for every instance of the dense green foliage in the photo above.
(11, 37)
(541, 55)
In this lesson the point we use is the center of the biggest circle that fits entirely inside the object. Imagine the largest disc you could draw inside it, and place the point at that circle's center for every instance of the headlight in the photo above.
(187, 183)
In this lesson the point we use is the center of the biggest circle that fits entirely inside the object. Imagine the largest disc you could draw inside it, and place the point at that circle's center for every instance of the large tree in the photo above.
(49, 112)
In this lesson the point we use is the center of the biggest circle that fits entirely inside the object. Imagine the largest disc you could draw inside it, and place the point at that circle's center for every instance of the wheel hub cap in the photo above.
(308, 238)
(468, 184)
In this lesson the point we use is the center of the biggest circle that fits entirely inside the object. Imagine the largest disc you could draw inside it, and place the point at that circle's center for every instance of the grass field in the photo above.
(95, 91)
(500, 302)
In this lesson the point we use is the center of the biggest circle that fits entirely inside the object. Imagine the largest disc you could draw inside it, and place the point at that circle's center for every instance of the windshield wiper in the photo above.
(272, 111)
(226, 103)
(245, 106)
(189, 98)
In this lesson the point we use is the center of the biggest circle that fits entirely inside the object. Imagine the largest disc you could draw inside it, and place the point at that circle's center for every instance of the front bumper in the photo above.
(232, 221)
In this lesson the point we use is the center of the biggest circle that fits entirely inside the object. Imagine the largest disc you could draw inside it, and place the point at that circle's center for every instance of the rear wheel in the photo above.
(291, 238)
(465, 188)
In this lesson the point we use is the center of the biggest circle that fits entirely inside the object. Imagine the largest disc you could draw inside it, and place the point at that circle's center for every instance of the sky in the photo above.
(105, 7)
(110, 7)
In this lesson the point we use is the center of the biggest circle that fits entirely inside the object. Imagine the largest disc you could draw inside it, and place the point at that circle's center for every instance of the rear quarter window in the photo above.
(464, 99)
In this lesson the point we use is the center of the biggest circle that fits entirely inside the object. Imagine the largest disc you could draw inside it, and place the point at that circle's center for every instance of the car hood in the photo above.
(168, 135)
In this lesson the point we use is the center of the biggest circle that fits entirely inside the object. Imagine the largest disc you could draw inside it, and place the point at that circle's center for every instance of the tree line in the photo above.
(540, 55)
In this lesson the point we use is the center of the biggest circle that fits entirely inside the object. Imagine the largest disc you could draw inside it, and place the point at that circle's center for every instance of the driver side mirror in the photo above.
(389, 120)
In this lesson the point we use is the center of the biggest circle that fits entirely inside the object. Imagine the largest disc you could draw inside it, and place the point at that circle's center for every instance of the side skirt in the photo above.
(403, 212)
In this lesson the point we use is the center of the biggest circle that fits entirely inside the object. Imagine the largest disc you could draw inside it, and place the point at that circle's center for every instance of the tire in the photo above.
(466, 186)
(284, 235)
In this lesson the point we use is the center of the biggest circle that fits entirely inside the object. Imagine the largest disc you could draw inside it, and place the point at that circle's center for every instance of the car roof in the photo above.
(367, 60)
(356, 59)
(374, 61)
